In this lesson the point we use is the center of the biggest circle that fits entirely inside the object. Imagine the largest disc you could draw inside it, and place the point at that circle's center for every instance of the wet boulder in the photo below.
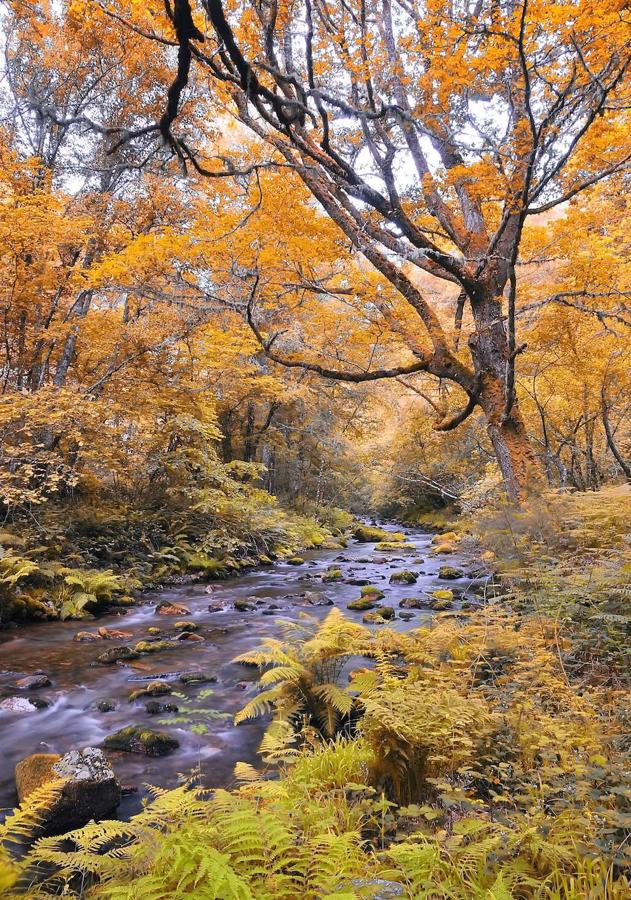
(186, 626)
(105, 705)
(197, 678)
(448, 573)
(189, 636)
(116, 654)
(406, 615)
(154, 646)
(295, 561)
(19, 705)
(404, 577)
(33, 682)
(144, 741)
(153, 689)
(244, 605)
(363, 603)
(170, 608)
(414, 603)
(88, 787)
(333, 574)
(154, 707)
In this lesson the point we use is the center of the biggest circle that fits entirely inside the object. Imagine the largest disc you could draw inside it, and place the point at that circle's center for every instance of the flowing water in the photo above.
(214, 745)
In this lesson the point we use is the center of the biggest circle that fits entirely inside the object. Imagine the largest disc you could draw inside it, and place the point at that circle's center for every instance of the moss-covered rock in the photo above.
(363, 603)
(386, 612)
(370, 590)
(244, 606)
(385, 546)
(145, 741)
(373, 618)
(153, 689)
(117, 654)
(443, 594)
(185, 625)
(367, 534)
(449, 573)
(333, 574)
(295, 561)
(197, 678)
(154, 646)
(442, 599)
(154, 630)
(404, 577)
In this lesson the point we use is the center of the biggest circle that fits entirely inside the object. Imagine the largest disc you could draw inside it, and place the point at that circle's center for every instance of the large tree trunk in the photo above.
(513, 450)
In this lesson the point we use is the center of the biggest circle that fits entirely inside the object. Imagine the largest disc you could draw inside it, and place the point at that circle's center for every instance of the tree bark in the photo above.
(505, 425)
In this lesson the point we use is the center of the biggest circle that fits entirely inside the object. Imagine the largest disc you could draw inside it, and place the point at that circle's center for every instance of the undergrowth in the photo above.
(481, 756)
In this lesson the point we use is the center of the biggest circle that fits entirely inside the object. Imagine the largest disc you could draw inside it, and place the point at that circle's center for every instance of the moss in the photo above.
(153, 689)
(366, 534)
(449, 573)
(197, 678)
(403, 577)
(393, 545)
(186, 626)
(443, 594)
(243, 606)
(154, 646)
(333, 574)
(154, 630)
(141, 740)
(363, 603)
(114, 654)
(371, 591)
(265, 561)
(295, 560)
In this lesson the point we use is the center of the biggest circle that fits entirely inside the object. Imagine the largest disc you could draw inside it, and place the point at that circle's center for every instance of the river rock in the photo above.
(414, 603)
(186, 626)
(363, 603)
(154, 707)
(18, 705)
(90, 788)
(189, 636)
(154, 646)
(406, 615)
(153, 689)
(86, 636)
(244, 606)
(449, 573)
(403, 577)
(169, 608)
(295, 561)
(107, 704)
(141, 740)
(33, 682)
(197, 678)
(116, 654)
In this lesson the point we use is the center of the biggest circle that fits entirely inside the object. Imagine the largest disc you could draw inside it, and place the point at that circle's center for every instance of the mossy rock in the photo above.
(371, 591)
(153, 629)
(384, 546)
(368, 534)
(449, 573)
(105, 705)
(363, 603)
(444, 549)
(404, 577)
(154, 646)
(265, 561)
(295, 561)
(121, 600)
(244, 606)
(443, 594)
(186, 626)
(375, 617)
(117, 654)
(446, 537)
(153, 689)
(197, 678)
(333, 574)
(440, 605)
(141, 740)
(330, 545)
(386, 612)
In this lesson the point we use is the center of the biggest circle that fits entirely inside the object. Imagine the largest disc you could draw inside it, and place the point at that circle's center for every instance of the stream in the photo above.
(209, 742)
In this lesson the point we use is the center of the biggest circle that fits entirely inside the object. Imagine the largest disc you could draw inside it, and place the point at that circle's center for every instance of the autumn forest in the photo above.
(315, 461)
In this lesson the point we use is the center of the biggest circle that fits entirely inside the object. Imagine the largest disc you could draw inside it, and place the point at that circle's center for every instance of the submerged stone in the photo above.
(33, 682)
(153, 689)
(449, 572)
(197, 678)
(154, 646)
